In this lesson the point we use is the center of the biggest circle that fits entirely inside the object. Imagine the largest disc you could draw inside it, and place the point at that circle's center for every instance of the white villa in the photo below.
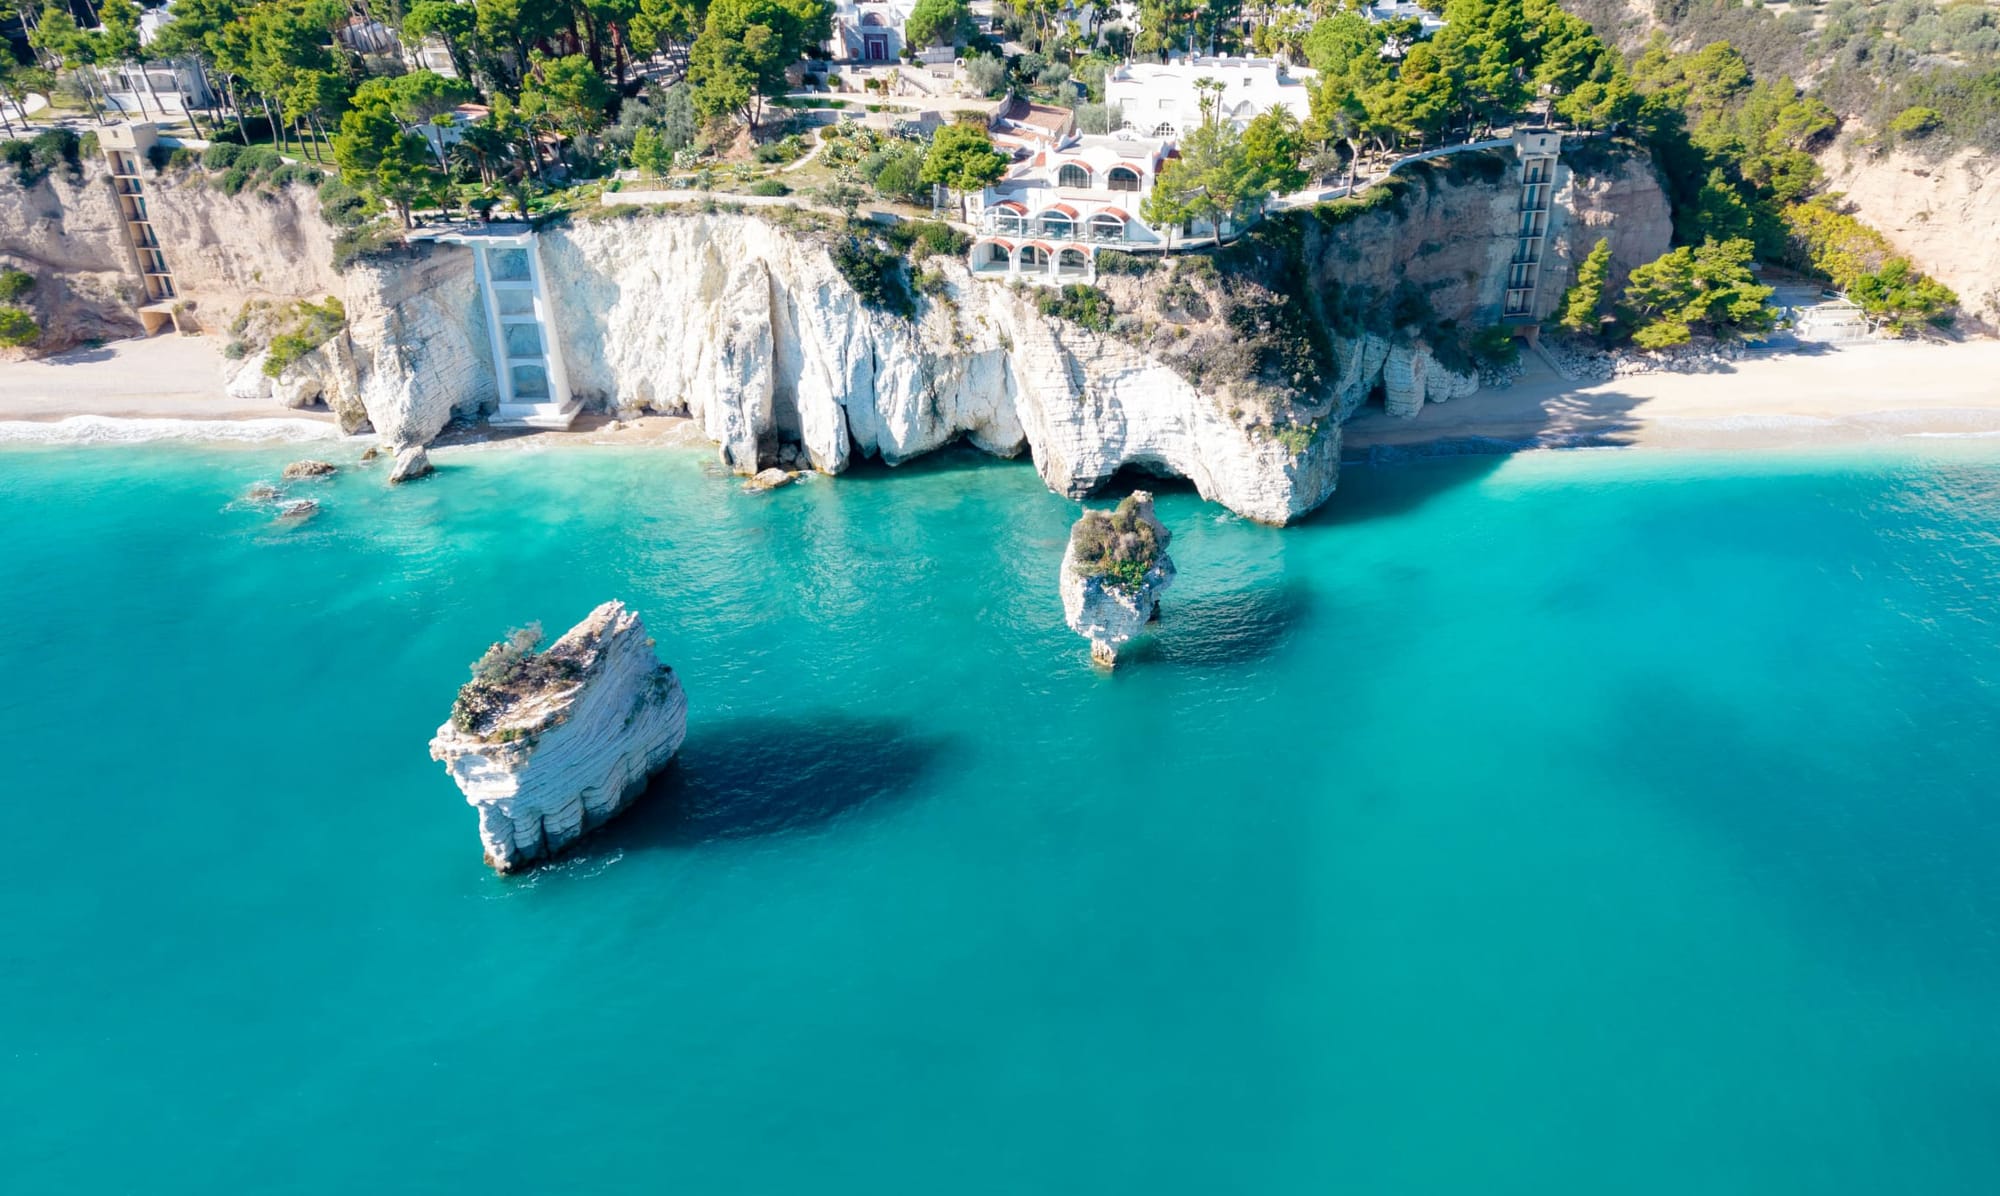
(869, 30)
(1046, 220)
(1161, 100)
(158, 88)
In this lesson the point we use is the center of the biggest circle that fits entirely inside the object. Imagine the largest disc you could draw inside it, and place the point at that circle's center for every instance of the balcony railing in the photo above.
(1060, 230)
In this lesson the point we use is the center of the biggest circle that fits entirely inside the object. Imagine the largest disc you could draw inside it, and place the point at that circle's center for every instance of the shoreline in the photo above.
(169, 389)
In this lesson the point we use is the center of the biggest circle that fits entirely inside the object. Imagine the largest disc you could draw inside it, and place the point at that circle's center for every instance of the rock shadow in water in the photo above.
(1240, 627)
(776, 775)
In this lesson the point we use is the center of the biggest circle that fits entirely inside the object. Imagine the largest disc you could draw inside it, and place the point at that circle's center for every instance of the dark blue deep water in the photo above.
(1569, 823)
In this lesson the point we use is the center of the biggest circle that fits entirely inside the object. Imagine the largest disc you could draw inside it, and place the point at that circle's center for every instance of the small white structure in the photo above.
(1381, 12)
(869, 30)
(1161, 99)
(520, 323)
(1046, 220)
(1023, 126)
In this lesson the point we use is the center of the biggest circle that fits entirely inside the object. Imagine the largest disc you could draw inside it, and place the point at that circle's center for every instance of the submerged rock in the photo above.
(309, 469)
(411, 463)
(298, 510)
(549, 745)
(1113, 570)
(261, 492)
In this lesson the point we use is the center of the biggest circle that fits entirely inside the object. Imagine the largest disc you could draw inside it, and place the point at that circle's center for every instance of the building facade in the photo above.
(1161, 99)
(1047, 219)
(869, 30)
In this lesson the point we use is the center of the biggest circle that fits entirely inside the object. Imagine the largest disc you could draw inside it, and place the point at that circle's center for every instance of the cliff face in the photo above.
(223, 250)
(561, 761)
(1236, 377)
(753, 331)
(1944, 214)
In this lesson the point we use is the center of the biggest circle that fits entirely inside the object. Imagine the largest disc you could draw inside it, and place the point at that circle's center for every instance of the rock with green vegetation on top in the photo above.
(1113, 571)
(549, 744)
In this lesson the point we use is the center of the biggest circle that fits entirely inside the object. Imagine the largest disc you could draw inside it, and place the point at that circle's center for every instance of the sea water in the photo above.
(1566, 823)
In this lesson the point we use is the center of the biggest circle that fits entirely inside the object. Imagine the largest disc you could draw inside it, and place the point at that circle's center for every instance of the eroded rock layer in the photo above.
(563, 761)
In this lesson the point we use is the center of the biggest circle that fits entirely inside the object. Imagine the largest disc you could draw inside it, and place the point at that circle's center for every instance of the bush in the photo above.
(351, 245)
(769, 187)
(36, 157)
(875, 274)
(921, 239)
(14, 284)
(1084, 306)
(1117, 261)
(17, 327)
(182, 159)
(307, 326)
(986, 73)
(1119, 546)
(1916, 122)
(342, 205)
(158, 156)
(221, 156)
(1495, 347)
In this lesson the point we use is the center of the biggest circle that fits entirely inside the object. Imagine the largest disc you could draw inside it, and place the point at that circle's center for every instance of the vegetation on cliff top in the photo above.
(511, 671)
(1118, 546)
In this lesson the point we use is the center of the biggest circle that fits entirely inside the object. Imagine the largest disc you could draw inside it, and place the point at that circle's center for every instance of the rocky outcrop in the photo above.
(309, 468)
(224, 250)
(752, 331)
(1113, 571)
(548, 746)
(410, 464)
(1944, 214)
(1412, 377)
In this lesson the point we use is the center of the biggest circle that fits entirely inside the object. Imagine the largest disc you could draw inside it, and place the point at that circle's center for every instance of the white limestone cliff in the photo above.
(1411, 377)
(1104, 611)
(560, 760)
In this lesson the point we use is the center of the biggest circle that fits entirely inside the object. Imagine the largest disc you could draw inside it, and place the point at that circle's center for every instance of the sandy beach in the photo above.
(167, 387)
(1772, 399)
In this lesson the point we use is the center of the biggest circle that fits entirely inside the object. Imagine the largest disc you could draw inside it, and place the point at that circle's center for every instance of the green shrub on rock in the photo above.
(1120, 545)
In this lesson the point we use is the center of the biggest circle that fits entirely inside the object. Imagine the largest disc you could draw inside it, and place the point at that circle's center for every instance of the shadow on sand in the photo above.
(1240, 627)
(777, 775)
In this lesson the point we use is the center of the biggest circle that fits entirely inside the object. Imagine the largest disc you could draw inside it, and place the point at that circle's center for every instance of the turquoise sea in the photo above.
(1596, 822)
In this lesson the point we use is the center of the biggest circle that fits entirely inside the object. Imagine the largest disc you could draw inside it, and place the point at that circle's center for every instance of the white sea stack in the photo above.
(1113, 570)
(555, 743)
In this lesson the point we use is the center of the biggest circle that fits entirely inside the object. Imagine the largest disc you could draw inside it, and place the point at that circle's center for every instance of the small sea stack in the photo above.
(1112, 574)
(411, 463)
(549, 744)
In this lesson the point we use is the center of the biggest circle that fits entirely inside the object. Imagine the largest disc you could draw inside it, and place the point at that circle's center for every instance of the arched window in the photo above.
(1072, 175)
(1124, 178)
(1107, 226)
(871, 18)
(1072, 261)
(1055, 224)
(1032, 255)
(997, 253)
(1164, 129)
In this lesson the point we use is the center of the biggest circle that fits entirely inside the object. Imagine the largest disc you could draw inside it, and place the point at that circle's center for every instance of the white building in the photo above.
(869, 30)
(1161, 100)
(1383, 11)
(157, 88)
(1046, 220)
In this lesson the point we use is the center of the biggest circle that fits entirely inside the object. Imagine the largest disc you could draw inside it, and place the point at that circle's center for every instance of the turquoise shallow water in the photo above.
(1571, 823)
